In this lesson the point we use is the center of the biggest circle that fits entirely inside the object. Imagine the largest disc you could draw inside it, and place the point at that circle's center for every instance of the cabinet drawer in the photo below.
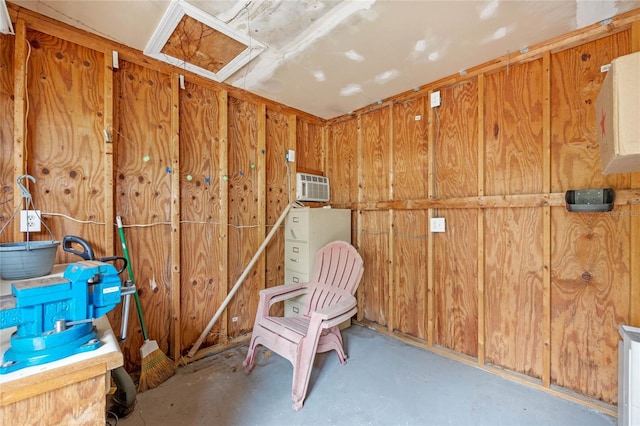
(293, 277)
(294, 307)
(297, 226)
(296, 256)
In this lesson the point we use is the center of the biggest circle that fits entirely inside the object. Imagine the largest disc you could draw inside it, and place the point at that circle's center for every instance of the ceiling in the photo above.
(329, 57)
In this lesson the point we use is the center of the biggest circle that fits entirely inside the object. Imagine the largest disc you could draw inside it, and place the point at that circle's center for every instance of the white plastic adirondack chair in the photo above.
(330, 301)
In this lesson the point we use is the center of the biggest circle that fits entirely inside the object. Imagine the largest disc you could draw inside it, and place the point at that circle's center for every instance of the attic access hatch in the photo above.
(195, 41)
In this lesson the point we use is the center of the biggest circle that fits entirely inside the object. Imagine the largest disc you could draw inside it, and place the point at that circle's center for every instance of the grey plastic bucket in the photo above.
(28, 259)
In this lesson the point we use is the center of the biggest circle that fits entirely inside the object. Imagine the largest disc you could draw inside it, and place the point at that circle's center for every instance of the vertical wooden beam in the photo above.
(292, 143)
(19, 116)
(431, 178)
(176, 325)
(546, 221)
(325, 142)
(635, 37)
(634, 234)
(480, 230)
(108, 160)
(391, 300)
(261, 186)
(223, 208)
(358, 237)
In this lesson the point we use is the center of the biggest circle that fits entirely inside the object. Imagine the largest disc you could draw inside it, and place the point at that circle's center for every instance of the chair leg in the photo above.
(332, 340)
(302, 368)
(250, 360)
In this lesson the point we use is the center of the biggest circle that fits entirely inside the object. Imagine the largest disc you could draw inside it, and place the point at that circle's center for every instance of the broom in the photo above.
(156, 366)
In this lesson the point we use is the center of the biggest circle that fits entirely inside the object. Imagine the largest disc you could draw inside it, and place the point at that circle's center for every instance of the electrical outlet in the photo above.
(291, 156)
(435, 99)
(30, 221)
(438, 224)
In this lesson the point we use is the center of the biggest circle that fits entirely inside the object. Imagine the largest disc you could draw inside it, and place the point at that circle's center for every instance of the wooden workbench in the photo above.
(68, 391)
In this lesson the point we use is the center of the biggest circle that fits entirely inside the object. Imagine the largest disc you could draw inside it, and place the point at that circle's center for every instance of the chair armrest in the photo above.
(282, 292)
(347, 305)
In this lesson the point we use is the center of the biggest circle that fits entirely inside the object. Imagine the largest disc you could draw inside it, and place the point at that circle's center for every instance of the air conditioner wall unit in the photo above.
(312, 187)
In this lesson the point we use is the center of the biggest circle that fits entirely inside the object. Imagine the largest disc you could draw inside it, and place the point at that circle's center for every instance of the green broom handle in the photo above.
(125, 251)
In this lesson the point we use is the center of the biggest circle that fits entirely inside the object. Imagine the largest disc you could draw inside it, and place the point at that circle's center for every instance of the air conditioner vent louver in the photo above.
(312, 187)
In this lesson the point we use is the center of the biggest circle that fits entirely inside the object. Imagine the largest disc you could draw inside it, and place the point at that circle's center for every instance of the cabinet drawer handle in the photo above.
(296, 280)
(294, 260)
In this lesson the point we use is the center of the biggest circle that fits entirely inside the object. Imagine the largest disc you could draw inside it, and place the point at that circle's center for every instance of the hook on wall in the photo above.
(25, 191)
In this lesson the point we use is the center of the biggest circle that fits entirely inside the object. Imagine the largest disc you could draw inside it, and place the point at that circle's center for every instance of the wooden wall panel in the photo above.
(143, 193)
(410, 150)
(277, 197)
(342, 161)
(514, 154)
(200, 286)
(310, 146)
(374, 249)
(576, 80)
(8, 186)
(375, 155)
(64, 140)
(244, 234)
(589, 298)
(513, 289)
(456, 143)
(410, 253)
(456, 303)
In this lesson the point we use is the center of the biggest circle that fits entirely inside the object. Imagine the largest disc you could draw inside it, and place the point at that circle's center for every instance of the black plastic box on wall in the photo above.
(590, 200)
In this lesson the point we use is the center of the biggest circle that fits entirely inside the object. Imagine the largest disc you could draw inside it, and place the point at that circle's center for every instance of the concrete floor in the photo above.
(385, 382)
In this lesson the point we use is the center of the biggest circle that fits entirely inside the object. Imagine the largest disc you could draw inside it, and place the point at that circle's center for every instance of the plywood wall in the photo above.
(143, 190)
(342, 161)
(198, 176)
(516, 283)
(203, 225)
(66, 126)
(196, 173)
(8, 189)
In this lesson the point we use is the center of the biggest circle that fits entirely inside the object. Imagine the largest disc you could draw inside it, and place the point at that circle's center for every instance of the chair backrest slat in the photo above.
(338, 270)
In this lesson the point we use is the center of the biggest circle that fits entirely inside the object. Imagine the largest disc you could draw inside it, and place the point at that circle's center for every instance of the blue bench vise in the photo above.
(54, 315)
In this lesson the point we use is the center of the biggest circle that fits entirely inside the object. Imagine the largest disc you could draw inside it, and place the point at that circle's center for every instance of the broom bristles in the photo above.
(156, 366)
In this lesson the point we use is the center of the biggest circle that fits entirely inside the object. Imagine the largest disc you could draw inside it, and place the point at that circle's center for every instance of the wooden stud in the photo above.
(553, 199)
(223, 202)
(292, 144)
(325, 141)
(634, 211)
(480, 231)
(546, 222)
(108, 160)
(261, 184)
(19, 116)
(176, 325)
(391, 300)
(358, 237)
(431, 177)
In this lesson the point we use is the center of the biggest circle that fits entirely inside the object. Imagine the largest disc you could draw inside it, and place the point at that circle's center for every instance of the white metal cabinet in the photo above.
(629, 376)
(306, 231)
